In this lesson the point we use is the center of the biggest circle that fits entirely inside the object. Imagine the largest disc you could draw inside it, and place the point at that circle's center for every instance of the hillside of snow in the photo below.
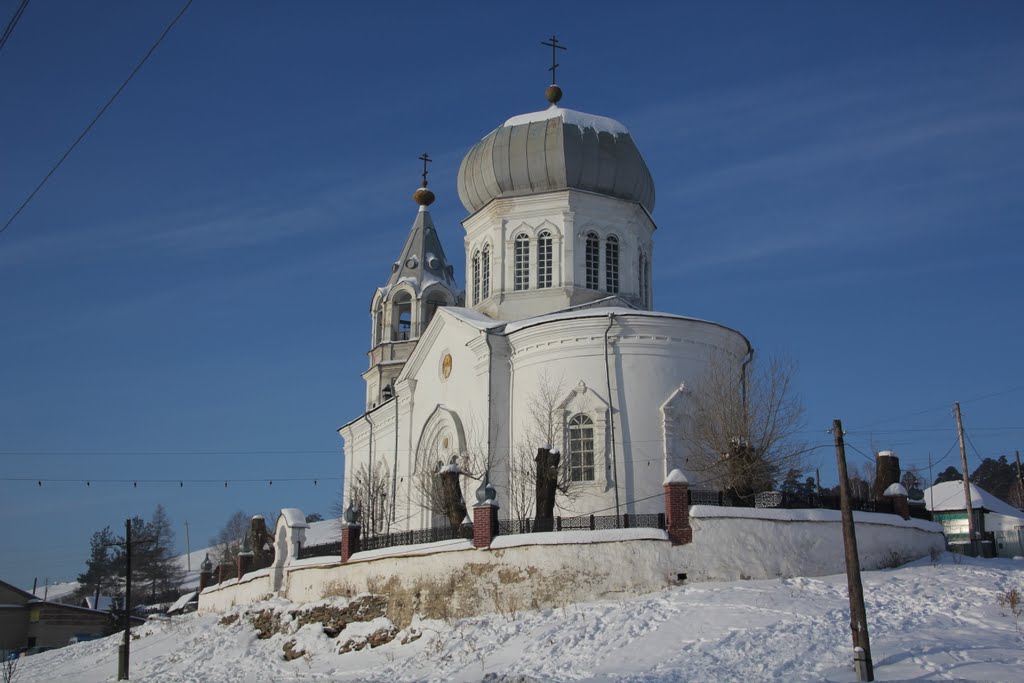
(928, 621)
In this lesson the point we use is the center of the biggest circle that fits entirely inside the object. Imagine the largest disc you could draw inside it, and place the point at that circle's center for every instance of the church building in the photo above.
(554, 343)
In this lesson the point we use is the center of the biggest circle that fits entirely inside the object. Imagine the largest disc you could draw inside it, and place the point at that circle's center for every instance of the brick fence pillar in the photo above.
(898, 495)
(205, 573)
(677, 508)
(485, 524)
(244, 563)
(349, 540)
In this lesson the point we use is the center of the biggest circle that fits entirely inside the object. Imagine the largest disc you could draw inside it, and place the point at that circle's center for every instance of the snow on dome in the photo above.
(886, 454)
(555, 149)
(676, 477)
(450, 467)
(896, 489)
(572, 117)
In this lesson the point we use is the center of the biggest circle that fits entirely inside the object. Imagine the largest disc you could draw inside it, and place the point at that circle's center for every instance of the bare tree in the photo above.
(539, 442)
(8, 665)
(371, 491)
(745, 425)
(434, 485)
(228, 540)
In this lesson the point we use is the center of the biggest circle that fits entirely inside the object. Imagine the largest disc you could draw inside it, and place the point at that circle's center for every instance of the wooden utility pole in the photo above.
(125, 653)
(817, 479)
(858, 615)
(188, 549)
(967, 481)
(1020, 484)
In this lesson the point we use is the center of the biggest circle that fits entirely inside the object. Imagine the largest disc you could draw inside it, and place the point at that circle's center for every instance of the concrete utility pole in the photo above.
(967, 481)
(858, 615)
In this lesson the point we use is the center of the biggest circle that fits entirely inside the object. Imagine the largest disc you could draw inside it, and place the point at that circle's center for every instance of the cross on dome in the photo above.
(553, 92)
(423, 196)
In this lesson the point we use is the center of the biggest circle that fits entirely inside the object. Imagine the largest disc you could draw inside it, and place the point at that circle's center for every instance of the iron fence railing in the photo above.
(431, 535)
(799, 501)
(582, 522)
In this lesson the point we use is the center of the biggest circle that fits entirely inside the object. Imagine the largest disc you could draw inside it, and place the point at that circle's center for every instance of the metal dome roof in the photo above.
(555, 149)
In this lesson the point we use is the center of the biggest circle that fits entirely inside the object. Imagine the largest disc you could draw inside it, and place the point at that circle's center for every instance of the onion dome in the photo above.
(555, 149)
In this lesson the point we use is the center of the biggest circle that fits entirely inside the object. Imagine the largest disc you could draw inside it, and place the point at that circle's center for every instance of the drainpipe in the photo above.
(511, 442)
(611, 411)
(394, 470)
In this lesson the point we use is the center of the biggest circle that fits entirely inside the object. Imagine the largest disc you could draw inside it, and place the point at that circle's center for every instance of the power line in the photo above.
(1002, 392)
(181, 482)
(135, 453)
(98, 115)
(12, 23)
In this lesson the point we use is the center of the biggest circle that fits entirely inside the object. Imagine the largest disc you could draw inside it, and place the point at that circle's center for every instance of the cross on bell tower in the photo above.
(425, 159)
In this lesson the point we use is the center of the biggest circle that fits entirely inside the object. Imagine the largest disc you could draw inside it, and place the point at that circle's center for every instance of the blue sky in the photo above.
(839, 181)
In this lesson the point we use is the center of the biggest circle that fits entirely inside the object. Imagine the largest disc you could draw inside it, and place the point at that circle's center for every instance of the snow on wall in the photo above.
(750, 543)
(533, 571)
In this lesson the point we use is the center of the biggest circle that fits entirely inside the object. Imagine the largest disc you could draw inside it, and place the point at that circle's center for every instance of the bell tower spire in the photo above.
(421, 281)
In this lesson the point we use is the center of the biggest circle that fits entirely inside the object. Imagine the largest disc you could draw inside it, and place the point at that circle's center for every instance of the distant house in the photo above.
(999, 523)
(27, 622)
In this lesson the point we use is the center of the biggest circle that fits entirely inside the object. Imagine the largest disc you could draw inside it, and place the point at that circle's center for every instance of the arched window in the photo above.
(378, 324)
(611, 264)
(388, 393)
(544, 260)
(581, 448)
(476, 278)
(401, 317)
(593, 260)
(485, 276)
(521, 274)
(644, 294)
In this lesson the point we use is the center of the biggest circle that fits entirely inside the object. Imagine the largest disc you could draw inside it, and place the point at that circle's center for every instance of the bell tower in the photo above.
(421, 281)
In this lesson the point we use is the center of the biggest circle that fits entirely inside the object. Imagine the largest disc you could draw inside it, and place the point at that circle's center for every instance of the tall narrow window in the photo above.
(644, 294)
(581, 448)
(544, 260)
(611, 264)
(402, 313)
(593, 260)
(521, 275)
(476, 278)
(485, 276)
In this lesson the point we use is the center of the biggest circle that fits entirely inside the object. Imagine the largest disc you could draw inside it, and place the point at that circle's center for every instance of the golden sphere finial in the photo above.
(553, 94)
(423, 197)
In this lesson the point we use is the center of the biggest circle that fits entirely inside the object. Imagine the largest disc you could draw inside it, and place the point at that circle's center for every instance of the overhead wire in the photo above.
(96, 118)
(9, 29)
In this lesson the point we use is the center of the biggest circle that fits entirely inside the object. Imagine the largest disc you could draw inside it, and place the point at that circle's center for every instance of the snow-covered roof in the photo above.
(949, 495)
(572, 314)
(473, 317)
(601, 124)
(293, 517)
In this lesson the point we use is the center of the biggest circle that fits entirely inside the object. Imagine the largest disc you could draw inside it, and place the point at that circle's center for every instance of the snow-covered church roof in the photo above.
(555, 149)
(949, 496)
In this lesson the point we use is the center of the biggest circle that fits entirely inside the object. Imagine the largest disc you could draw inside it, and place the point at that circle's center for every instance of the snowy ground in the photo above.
(927, 621)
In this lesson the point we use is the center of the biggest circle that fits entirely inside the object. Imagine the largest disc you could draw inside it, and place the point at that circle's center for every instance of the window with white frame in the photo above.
(544, 261)
(611, 264)
(592, 255)
(521, 262)
(476, 278)
(485, 276)
(581, 448)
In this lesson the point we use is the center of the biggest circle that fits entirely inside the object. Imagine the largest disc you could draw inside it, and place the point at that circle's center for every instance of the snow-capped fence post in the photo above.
(898, 495)
(485, 515)
(350, 528)
(205, 573)
(245, 557)
(677, 508)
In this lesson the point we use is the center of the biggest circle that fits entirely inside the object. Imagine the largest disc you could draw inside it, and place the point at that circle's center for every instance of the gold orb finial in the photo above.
(423, 197)
(553, 93)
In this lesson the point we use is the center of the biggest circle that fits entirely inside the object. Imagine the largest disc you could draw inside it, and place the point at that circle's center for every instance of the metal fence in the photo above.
(583, 522)
(799, 501)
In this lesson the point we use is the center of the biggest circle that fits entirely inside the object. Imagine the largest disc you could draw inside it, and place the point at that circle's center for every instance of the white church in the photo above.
(555, 341)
